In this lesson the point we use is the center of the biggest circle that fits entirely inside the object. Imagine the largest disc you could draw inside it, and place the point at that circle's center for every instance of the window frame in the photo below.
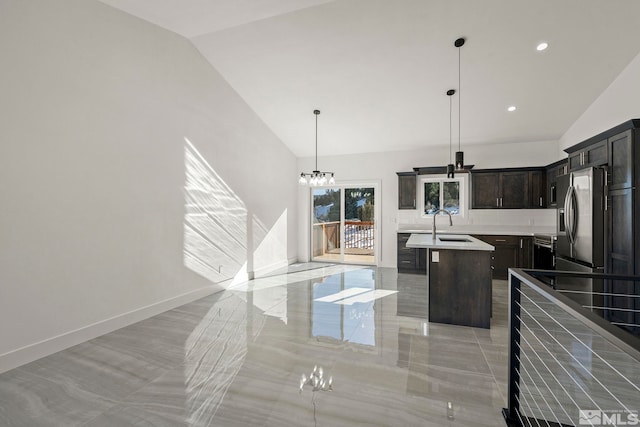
(462, 179)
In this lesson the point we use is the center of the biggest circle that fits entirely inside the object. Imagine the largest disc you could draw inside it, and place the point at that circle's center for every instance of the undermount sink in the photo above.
(454, 239)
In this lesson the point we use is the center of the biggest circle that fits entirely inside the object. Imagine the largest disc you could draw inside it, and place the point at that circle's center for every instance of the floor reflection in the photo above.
(364, 325)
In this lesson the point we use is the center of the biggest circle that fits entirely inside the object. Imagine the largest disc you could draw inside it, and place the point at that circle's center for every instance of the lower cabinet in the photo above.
(620, 258)
(510, 252)
(525, 254)
(410, 260)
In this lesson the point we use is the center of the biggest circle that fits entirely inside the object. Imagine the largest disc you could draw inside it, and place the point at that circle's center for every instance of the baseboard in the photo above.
(260, 272)
(31, 352)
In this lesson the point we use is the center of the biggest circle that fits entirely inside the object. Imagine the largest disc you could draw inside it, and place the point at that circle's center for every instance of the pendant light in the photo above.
(459, 154)
(316, 177)
(450, 93)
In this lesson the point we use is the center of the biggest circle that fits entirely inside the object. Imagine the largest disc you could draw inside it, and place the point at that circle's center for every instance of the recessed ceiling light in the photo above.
(542, 46)
(511, 108)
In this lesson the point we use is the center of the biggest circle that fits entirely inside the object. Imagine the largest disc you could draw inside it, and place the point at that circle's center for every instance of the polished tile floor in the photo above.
(236, 358)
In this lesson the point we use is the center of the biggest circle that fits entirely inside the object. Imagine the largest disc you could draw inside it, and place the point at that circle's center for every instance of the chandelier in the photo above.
(316, 380)
(316, 177)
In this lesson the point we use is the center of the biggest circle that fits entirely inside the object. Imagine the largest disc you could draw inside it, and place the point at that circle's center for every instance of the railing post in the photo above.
(324, 239)
(511, 414)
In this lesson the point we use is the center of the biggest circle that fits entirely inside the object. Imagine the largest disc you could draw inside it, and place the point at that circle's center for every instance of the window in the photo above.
(443, 193)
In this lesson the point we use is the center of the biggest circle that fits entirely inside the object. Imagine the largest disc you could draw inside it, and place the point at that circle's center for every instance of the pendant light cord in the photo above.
(459, 99)
(317, 177)
(450, 126)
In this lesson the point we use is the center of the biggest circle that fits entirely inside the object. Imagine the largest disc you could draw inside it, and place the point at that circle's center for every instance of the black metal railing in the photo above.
(359, 234)
(568, 365)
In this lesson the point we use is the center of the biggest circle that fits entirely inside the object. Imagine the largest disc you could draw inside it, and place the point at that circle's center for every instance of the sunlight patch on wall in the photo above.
(215, 222)
(271, 252)
(269, 255)
(240, 278)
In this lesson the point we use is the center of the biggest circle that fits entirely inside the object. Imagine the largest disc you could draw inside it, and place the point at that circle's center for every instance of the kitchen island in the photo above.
(458, 278)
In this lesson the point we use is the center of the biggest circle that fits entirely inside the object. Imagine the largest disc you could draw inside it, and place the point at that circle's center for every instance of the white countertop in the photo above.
(465, 243)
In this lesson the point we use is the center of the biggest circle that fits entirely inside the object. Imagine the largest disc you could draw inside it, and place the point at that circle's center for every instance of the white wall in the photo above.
(617, 104)
(95, 108)
(383, 167)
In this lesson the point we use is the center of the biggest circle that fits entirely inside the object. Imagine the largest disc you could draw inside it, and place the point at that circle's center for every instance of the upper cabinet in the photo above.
(538, 189)
(407, 190)
(486, 192)
(594, 154)
(514, 188)
(621, 158)
(553, 171)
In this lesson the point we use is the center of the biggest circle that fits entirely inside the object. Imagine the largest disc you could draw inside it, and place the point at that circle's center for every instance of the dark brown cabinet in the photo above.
(510, 252)
(410, 260)
(553, 171)
(620, 148)
(620, 245)
(407, 190)
(459, 284)
(517, 188)
(525, 252)
(485, 190)
(616, 149)
(537, 189)
(620, 257)
(591, 155)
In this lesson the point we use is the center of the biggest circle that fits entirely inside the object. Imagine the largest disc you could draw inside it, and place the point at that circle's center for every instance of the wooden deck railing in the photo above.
(357, 235)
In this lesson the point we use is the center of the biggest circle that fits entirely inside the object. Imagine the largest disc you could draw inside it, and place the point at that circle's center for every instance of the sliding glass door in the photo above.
(343, 224)
(326, 213)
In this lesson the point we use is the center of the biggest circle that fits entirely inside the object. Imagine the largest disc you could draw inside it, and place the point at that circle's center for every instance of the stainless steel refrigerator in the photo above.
(581, 233)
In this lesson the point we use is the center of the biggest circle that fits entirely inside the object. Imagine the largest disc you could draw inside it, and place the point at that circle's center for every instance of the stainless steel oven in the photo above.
(544, 252)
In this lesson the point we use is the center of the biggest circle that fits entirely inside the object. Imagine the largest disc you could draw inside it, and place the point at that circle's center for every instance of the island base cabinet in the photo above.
(510, 252)
(459, 287)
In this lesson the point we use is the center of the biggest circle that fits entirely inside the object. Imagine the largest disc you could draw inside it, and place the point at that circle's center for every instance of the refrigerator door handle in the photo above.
(566, 215)
(572, 216)
(569, 215)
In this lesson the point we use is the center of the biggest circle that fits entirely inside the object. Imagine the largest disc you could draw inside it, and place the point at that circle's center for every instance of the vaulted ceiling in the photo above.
(379, 69)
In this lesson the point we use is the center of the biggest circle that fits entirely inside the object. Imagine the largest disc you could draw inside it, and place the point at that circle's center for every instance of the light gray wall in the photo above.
(95, 108)
(618, 103)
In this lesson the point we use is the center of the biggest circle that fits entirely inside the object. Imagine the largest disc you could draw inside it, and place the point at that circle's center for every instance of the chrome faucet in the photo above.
(433, 229)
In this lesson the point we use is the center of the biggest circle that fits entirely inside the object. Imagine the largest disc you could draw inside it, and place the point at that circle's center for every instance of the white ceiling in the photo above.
(379, 69)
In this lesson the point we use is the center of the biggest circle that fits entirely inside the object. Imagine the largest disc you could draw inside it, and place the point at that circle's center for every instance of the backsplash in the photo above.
(527, 219)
